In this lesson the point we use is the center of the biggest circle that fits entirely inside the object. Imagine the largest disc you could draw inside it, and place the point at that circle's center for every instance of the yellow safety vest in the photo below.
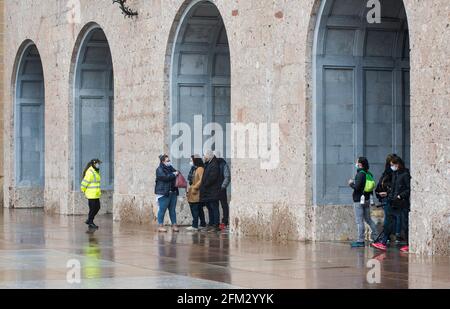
(90, 185)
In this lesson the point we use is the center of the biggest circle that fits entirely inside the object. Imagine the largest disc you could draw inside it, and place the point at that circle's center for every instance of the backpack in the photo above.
(370, 182)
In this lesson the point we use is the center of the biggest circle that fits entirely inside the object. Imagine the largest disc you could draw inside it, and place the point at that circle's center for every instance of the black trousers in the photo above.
(94, 208)
(225, 207)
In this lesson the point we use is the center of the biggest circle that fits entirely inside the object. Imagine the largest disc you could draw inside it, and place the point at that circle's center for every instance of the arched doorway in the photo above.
(200, 82)
(361, 76)
(29, 129)
(94, 108)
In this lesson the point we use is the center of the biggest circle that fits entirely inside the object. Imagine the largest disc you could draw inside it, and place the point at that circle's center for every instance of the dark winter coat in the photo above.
(210, 188)
(401, 186)
(165, 180)
(358, 186)
(385, 183)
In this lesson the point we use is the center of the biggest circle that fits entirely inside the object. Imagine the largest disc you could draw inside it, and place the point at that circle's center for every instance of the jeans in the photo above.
(362, 213)
(94, 208)
(196, 209)
(225, 208)
(214, 213)
(395, 215)
(168, 202)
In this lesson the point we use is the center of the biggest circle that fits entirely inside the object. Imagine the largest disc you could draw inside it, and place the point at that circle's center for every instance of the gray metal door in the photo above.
(29, 120)
(362, 93)
(201, 75)
(94, 101)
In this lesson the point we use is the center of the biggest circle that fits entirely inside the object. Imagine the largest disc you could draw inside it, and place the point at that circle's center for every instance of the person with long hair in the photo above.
(361, 200)
(193, 194)
(399, 199)
(382, 191)
(90, 186)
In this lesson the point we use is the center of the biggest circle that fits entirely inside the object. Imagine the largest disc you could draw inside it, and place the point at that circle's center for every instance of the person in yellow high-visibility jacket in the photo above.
(90, 186)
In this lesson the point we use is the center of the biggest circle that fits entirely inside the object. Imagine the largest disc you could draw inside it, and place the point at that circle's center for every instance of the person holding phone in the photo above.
(166, 193)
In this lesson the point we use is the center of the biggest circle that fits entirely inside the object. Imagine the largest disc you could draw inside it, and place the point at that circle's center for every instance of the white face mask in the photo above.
(168, 164)
(191, 163)
(357, 166)
(97, 166)
(394, 168)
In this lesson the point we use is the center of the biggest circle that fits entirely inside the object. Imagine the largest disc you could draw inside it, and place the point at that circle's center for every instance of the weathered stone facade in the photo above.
(271, 50)
(2, 81)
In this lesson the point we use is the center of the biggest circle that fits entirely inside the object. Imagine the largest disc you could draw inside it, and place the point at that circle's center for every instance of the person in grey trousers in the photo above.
(362, 205)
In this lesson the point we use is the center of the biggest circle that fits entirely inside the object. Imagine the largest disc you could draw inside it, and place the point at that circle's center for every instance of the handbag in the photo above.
(181, 182)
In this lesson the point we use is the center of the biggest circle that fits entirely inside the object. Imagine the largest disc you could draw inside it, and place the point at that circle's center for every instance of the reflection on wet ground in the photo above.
(35, 250)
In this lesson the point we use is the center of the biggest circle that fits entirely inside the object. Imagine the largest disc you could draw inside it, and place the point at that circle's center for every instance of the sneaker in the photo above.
(358, 244)
(93, 226)
(222, 226)
(404, 249)
(192, 229)
(379, 246)
(161, 229)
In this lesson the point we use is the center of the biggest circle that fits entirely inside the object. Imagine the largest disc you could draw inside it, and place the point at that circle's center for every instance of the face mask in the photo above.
(168, 164)
(357, 166)
(97, 166)
(394, 168)
(191, 163)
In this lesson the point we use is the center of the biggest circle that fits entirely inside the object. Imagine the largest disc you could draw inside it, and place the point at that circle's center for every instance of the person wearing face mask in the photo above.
(90, 186)
(166, 192)
(210, 190)
(399, 201)
(382, 191)
(193, 194)
(361, 199)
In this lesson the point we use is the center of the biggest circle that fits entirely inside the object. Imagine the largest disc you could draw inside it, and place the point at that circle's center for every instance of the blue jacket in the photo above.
(165, 180)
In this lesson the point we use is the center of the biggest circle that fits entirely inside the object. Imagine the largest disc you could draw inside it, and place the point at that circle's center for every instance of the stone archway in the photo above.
(361, 93)
(29, 132)
(93, 112)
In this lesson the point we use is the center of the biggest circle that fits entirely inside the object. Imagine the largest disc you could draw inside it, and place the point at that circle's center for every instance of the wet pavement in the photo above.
(36, 250)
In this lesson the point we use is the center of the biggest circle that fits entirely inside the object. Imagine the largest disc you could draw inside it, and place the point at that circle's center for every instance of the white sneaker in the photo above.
(191, 229)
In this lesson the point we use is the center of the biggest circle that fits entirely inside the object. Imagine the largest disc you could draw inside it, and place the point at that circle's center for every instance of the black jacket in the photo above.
(165, 180)
(385, 183)
(358, 186)
(210, 187)
(401, 186)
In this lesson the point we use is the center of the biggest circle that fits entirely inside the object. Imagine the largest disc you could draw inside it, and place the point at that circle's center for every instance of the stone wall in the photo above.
(2, 81)
(271, 47)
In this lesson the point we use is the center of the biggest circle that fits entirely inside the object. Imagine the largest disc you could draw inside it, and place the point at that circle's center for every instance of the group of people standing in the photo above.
(393, 191)
(208, 178)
